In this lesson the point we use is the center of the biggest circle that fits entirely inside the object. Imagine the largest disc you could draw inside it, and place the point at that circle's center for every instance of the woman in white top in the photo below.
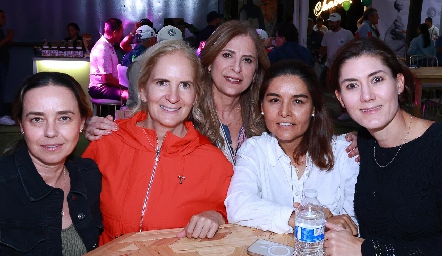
(300, 152)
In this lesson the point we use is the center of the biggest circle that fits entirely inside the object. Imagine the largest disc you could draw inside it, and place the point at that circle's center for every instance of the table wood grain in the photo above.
(229, 240)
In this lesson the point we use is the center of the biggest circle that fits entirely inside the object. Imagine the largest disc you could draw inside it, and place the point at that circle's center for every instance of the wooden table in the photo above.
(229, 240)
(430, 78)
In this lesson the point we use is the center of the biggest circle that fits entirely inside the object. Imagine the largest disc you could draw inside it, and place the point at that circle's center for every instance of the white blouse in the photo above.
(265, 185)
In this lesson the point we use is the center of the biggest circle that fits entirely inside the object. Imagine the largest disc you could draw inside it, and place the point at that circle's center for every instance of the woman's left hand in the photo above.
(352, 149)
(338, 241)
(203, 225)
(345, 222)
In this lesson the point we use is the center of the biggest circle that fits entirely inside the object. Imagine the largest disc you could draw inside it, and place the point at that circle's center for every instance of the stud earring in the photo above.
(81, 130)
(313, 114)
(262, 113)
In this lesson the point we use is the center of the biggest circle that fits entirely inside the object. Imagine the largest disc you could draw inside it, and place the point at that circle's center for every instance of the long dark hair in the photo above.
(317, 139)
(375, 48)
(425, 34)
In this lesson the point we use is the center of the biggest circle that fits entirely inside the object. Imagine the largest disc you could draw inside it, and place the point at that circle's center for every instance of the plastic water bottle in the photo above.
(309, 226)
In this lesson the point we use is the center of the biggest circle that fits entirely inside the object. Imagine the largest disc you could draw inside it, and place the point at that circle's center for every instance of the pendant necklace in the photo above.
(397, 152)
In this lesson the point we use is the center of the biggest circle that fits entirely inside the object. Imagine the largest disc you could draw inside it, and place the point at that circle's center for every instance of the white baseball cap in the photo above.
(169, 33)
(145, 32)
(334, 17)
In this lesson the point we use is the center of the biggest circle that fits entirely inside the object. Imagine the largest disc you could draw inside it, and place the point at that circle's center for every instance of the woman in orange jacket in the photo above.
(158, 171)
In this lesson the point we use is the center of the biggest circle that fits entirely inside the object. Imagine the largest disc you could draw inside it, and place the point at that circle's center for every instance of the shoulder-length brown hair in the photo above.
(318, 136)
(205, 117)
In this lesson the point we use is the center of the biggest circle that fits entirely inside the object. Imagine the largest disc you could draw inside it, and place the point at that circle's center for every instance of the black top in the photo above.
(30, 215)
(399, 207)
(314, 42)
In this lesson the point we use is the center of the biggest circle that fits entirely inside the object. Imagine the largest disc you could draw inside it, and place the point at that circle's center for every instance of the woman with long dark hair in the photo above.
(422, 45)
(299, 152)
(398, 194)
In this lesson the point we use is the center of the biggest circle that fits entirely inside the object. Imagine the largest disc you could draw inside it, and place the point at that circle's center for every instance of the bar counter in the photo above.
(78, 68)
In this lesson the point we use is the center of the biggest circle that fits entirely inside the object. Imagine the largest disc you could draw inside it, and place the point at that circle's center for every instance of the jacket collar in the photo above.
(136, 137)
(34, 185)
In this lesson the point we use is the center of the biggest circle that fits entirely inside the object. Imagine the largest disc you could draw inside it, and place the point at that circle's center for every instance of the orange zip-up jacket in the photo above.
(126, 160)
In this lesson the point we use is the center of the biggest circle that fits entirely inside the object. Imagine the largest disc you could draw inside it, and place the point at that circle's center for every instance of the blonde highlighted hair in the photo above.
(150, 58)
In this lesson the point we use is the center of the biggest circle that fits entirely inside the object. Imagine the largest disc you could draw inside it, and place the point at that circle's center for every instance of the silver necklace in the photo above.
(397, 152)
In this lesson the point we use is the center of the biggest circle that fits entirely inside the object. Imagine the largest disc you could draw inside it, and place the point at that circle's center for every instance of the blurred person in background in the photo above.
(319, 26)
(314, 39)
(214, 19)
(145, 37)
(126, 42)
(104, 82)
(287, 46)
(422, 45)
(368, 26)
(433, 30)
(6, 40)
(73, 33)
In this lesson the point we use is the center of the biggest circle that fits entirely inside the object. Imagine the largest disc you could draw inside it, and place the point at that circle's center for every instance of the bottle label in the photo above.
(309, 234)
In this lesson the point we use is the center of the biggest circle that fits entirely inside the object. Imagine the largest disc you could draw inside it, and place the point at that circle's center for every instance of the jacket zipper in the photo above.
(152, 176)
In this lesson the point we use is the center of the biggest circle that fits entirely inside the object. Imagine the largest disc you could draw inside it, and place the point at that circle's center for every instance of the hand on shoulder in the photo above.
(97, 126)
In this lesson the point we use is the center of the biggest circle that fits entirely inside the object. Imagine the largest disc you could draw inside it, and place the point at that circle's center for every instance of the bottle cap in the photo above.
(310, 193)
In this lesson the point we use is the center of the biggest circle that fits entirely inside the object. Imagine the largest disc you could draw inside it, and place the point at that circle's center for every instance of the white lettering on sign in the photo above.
(324, 6)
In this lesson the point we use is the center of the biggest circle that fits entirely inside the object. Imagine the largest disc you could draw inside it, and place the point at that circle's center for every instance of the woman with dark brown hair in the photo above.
(300, 152)
(398, 194)
(50, 199)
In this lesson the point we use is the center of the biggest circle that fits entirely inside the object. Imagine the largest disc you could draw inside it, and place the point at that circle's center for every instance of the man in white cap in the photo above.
(333, 39)
(169, 33)
(146, 37)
